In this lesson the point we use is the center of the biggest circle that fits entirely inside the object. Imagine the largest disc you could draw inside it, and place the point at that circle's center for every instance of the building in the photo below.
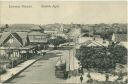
(50, 31)
(119, 37)
(91, 43)
(15, 47)
(20, 42)
(55, 30)
(75, 32)
(38, 38)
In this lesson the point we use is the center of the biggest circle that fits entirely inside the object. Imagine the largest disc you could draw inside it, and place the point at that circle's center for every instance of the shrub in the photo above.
(2, 71)
(101, 58)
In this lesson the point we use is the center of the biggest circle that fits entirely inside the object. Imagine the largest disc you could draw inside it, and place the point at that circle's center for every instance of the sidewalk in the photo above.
(11, 73)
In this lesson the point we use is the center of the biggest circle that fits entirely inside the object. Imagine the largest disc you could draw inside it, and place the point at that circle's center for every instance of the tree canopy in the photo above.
(57, 41)
(101, 58)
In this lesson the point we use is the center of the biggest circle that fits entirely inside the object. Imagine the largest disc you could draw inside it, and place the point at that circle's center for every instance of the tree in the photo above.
(119, 53)
(102, 58)
(6, 26)
(57, 41)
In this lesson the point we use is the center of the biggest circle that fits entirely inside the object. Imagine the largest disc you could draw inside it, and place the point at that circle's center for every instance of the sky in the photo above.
(80, 12)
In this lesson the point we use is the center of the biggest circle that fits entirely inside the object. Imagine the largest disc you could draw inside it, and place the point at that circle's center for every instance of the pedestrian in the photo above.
(81, 78)
(107, 77)
(82, 71)
(90, 80)
(88, 75)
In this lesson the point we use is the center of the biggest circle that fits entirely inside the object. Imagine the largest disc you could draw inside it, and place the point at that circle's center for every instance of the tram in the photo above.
(60, 69)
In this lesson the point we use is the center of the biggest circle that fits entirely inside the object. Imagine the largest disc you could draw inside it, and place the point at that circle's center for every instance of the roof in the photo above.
(92, 43)
(22, 27)
(24, 37)
(120, 37)
(37, 37)
(20, 36)
(36, 33)
(4, 35)
(17, 37)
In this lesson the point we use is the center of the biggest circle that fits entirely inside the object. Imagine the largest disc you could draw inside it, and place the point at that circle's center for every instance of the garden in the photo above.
(102, 59)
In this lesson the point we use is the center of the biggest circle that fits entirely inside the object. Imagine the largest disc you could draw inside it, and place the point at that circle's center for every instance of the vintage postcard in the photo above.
(63, 42)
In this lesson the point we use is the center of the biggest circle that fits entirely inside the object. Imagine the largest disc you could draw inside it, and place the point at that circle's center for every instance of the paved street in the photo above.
(43, 71)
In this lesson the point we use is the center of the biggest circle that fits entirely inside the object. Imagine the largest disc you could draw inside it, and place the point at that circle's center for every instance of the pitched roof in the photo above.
(92, 43)
(20, 36)
(24, 37)
(4, 37)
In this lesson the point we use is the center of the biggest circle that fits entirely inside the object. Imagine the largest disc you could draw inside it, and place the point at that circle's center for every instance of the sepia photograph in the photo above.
(63, 42)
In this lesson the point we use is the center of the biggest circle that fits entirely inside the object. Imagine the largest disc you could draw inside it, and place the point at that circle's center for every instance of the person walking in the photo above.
(107, 77)
(88, 75)
(81, 78)
(89, 78)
